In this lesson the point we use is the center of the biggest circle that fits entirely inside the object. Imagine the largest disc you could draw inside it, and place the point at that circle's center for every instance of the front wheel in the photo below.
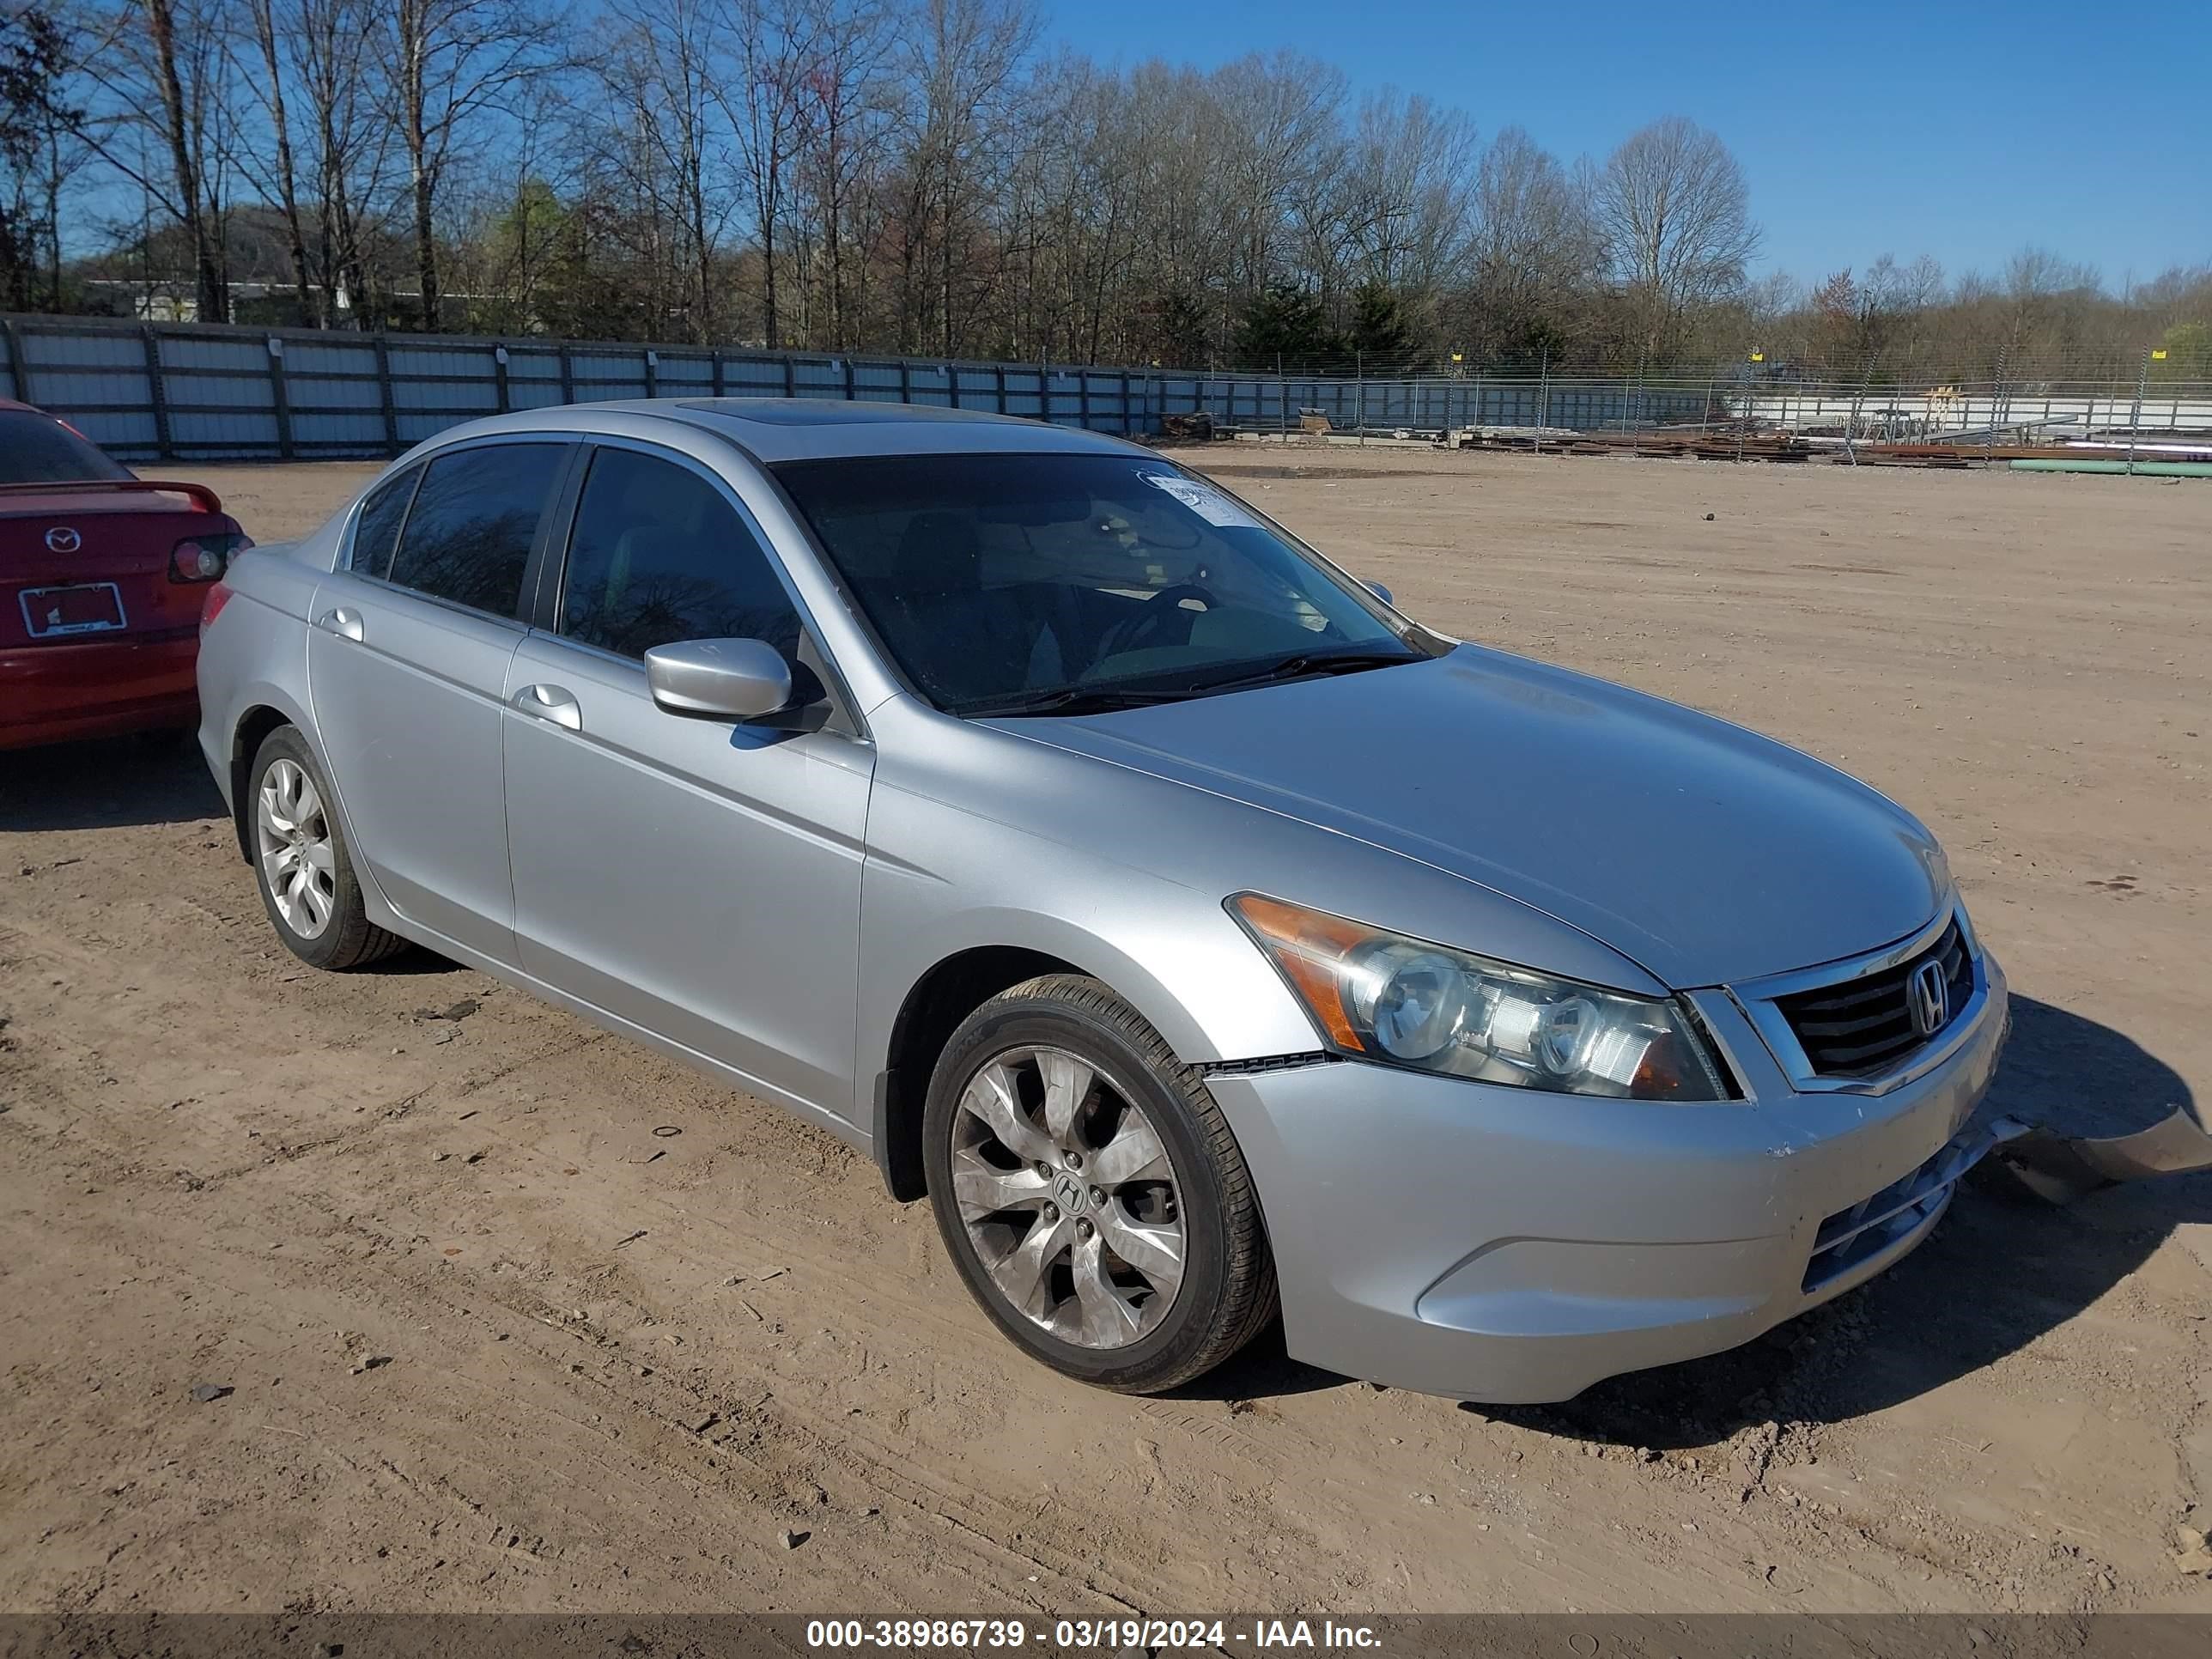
(1089, 1191)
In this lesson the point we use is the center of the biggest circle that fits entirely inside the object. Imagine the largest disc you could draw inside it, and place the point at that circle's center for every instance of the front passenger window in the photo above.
(658, 555)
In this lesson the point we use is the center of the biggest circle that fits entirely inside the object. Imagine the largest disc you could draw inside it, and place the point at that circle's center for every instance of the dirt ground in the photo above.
(516, 1315)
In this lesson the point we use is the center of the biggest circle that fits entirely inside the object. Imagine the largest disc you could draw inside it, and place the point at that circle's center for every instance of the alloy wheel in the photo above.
(293, 835)
(1068, 1196)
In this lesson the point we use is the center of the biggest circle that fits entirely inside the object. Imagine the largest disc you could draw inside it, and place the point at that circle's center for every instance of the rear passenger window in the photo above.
(657, 555)
(377, 527)
(467, 538)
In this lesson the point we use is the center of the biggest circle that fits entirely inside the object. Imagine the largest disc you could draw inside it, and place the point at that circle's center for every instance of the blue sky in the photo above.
(1960, 129)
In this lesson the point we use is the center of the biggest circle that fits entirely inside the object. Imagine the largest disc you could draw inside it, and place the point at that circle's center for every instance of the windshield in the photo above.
(1004, 584)
(37, 448)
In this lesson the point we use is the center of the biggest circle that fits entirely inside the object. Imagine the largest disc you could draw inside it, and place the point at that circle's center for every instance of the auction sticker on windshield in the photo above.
(1210, 504)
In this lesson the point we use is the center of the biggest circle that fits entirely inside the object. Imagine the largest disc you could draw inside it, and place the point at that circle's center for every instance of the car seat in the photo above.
(935, 589)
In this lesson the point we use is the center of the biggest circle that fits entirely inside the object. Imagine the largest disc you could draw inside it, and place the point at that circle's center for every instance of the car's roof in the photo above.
(773, 429)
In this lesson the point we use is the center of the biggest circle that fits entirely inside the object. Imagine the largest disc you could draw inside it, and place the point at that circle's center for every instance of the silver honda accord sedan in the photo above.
(1200, 935)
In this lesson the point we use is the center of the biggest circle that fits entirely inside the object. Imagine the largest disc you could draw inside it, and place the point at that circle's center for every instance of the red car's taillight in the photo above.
(204, 558)
(217, 597)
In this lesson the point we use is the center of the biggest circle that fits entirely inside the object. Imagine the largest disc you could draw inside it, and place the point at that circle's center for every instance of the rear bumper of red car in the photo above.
(100, 689)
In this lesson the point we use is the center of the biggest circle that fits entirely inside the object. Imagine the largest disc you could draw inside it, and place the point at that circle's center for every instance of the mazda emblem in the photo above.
(63, 539)
(1928, 996)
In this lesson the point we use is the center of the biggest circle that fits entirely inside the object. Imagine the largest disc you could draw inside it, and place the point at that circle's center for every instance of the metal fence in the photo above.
(204, 393)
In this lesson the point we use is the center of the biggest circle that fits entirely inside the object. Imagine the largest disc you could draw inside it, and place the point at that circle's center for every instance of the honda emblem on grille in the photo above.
(63, 539)
(1927, 996)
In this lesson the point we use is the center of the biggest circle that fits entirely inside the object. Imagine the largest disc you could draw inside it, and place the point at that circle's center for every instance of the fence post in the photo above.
(848, 379)
(156, 389)
(568, 375)
(1282, 397)
(281, 394)
(1543, 396)
(499, 376)
(906, 381)
(790, 377)
(1002, 388)
(19, 372)
(1996, 392)
(1083, 398)
(2134, 416)
(721, 378)
(652, 373)
(384, 390)
(1125, 403)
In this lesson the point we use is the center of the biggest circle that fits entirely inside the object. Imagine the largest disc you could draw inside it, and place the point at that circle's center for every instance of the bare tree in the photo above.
(764, 97)
(155, 70)
(1534, 252)
(668, 71)
(841, 137)
(182, 126)
(451, 64)
(269, 92)
(1281, 117)
(1677, 217)
(962, 61)
(1407, 174)
(36, 122)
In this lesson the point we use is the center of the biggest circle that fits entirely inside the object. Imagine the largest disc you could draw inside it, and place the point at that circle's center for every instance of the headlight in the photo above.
(1385, 997)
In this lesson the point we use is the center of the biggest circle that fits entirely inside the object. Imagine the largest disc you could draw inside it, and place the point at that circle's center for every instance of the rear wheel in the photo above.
(1089, 1191)
(307, 875)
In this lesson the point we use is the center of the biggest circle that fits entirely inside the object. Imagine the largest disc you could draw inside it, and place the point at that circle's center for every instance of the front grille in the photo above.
(1851, 1236)
(1864, 1025)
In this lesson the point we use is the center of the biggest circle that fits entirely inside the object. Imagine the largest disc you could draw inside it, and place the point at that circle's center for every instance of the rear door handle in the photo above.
(550, 702)
(345, 621)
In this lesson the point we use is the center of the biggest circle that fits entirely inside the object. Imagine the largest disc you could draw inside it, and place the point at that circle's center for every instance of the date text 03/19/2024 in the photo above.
(1113, 1635)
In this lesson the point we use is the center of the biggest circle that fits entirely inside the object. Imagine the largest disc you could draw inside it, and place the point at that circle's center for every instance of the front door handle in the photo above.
(550, 702)
(345, 621)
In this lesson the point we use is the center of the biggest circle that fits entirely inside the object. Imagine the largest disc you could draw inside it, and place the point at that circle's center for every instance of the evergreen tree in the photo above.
(1286, 322)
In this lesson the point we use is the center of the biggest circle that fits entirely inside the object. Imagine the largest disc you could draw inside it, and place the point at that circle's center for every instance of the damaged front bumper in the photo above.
(2062, 1167)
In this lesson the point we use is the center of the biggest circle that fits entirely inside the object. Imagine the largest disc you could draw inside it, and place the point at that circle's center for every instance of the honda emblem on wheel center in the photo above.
(1927, 996)
(1069, 1192)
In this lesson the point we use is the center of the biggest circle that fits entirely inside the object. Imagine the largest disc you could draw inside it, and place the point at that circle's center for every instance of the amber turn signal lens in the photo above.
(1309, 947)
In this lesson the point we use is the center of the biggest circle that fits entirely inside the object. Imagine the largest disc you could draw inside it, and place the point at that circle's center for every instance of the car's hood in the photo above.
(1705, 852)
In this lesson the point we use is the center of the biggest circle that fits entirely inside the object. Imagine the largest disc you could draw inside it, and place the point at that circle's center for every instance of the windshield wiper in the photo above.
(1312, 662)
(1075, 700)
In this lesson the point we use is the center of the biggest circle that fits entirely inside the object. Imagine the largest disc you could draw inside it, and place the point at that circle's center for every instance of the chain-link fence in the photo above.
(200, 392)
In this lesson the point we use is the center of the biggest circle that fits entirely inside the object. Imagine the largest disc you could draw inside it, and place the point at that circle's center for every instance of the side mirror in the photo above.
(722, 679)
(1380, 593)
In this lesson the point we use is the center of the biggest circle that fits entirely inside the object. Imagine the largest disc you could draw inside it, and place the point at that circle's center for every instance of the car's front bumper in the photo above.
(1502, 1245)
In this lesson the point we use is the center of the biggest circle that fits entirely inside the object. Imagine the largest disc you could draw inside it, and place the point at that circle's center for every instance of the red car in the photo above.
(102, 579)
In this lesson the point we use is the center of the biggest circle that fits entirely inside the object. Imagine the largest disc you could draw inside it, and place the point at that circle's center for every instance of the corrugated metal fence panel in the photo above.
(193, 393)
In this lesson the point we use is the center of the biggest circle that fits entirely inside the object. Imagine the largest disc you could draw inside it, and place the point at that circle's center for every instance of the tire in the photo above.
(1168, 1227)
(321, 919)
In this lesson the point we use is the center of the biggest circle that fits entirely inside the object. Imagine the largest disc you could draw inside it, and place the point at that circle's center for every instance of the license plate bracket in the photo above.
(54, 613)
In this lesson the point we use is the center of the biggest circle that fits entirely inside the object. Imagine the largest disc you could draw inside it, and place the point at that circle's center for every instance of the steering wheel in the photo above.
(1133, 632)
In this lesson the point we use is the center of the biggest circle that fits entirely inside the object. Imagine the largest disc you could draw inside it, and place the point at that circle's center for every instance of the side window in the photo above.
(376, 529)
(468, 536)
(658, 555)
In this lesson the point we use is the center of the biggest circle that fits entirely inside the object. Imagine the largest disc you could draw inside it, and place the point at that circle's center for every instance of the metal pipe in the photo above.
(2141, 469)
